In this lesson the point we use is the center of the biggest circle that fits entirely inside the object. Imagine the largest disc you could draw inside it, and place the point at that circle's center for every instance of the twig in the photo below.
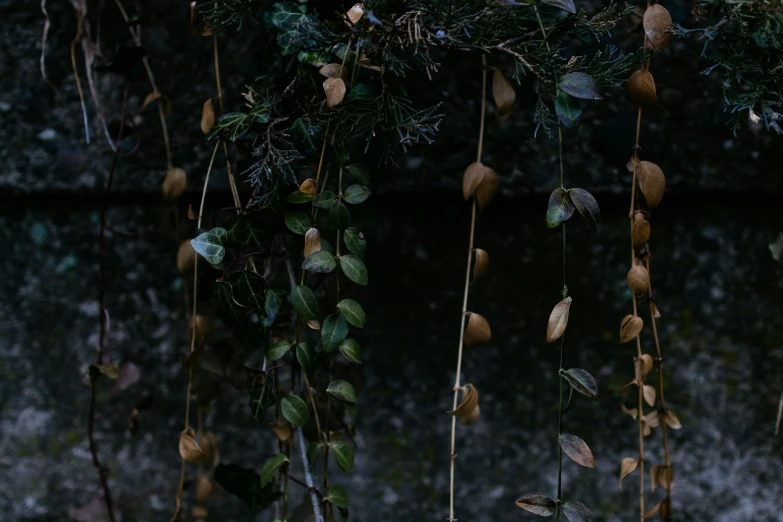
(308, 476)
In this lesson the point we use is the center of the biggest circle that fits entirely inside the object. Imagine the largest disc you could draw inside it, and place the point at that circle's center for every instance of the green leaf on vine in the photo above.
(353, 312)
(580, 85)
(305, 354)
(262, 392)
(355, 242)
(586, 204)
(247, 290)
(577, 512)
(354, 269)
(304, 302)
(337, 496)
(359, 172)
(210, 245)
(298, 196)
(351, 350)
(274, 300)
(297, 222)
(343, 390)
(582, 382)
(251, 233)
(295, 410)
(271, 466)
(343, 455)
(560, 208)
(246, 485)
(339, 217)
(577, 450)
(539, 505)
(287, 18)
(333, 330)
(567, 110)
(326, 199)
(278, 350)
(356, 194)
(321, 261)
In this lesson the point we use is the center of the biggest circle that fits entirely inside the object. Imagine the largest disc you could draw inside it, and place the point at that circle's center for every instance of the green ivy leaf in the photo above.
(333, 330)
(577, 512)
(343, 455)
(351, 350)
(298, 196)
(337, 496)
(339, 217)
(582, 382)
(352, 408)
(262, 392)
(246, 485)
(354, 269)
(304, 302)
(210, 245)
(560, 208)
(297, 222)
(305, 131)
(355, 242)
(232, 126)
(247, 290)
(356, 194)
(294, 410)
(566, 5)
(343, 390)
(305, 354)
(287, 18)
(359, 172)
(580, 85)
(251, 232)
(586, 204)
(271, 466)
(326, 199)
(278, 350)
(567, 110)
(274, 300)
(321, 262)
(353, 312)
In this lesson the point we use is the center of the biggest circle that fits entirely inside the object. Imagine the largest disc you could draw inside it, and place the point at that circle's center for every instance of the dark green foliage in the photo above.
(743, 42)
(246, 485)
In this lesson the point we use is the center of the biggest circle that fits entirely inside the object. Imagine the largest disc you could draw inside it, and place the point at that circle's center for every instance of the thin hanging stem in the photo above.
(473, 205)
(180, 489)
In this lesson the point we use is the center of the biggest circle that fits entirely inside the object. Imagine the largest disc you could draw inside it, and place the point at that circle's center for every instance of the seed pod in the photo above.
(204, 489)
(638, 280)
(308, 186)
(503, 93)
(657, 22)
(189, 449)
(174, 184)
(641, 89)
(482, 260)
(630, 327)
(652, 182)
(641, 232)
(312, 242)
(186, 257)
(332, 70)
(207, 117)
(199, 512)
(487, 188)
(202, 325)
(355, 13)
(335, 91)
(477, 331)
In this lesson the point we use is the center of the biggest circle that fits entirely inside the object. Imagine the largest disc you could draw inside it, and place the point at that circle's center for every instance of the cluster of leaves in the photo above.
(743, 41)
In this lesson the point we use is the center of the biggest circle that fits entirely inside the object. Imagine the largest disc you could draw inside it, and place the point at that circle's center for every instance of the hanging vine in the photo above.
(651, 182)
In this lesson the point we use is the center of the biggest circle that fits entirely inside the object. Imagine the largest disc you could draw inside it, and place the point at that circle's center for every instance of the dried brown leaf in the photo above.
(652, 182)
(630, 327)
(646, 427)
(191, 214)
(647, 364)
(477, 331)
(660, 476)
(503, 93)
(666, 510)
(174, 184)
(209, 446)
(312, 242)
(468, 403)
(471, 417)
(671, 420)
(649, 394)
(633, 412)
(472, 178)
(355, 13)
(207, 116)
(627, 388)
(482, 261)
(203, 327)
(198, 24)
(653, 420)
(309, 186)
(577, 450)
(641, 89)
(199, 512)
(282, 430)
(189, 449)
(335, 91)
(638, 280)
(487, 188)
(332, 70)
(558, 320)
(540, 505)
(641, 232)
(656, 311)
(657, 22)
(626, 467)
(205, 489)
(314, 325)
(151, 97)
(653, 511)
(186, 257)
(367, 64)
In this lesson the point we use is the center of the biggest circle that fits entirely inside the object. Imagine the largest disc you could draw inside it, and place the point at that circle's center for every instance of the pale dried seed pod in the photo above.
(309, 186)
(207, 117)
(657, 22)
(204, 489)
(335, 91)
(312, 242)
(638, 280)
(203, 326)
(641, 89)
(174, 184)
(641, 231)
(652, 182)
